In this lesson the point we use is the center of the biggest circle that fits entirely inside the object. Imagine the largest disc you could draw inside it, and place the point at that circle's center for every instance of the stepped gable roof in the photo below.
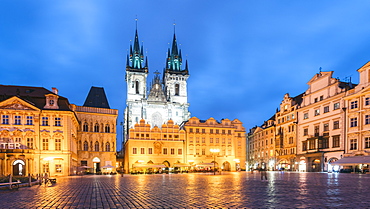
(96, 98)
(33, 95)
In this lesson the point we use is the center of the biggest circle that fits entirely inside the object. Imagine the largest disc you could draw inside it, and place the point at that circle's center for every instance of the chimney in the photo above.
(54, 90)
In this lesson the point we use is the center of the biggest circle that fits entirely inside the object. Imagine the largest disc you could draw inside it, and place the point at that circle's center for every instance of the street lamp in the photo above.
(214, 151)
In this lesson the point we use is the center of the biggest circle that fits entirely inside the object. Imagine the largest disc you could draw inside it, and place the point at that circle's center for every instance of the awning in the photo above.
(205, 165)
(181, 165)
(148, 166)
(352, 160)
(108, 166)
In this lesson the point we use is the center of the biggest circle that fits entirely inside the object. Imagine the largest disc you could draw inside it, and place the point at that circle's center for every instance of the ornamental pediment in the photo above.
(15, 106)
(15, 103)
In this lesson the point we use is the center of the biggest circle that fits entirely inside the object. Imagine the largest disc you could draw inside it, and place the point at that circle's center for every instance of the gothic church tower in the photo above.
(166, 98)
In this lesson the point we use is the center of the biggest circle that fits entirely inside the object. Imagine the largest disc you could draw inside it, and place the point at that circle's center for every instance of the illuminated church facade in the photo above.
(167, 97)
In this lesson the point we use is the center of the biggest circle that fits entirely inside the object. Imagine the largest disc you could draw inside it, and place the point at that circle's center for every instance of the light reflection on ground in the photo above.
(228, 190)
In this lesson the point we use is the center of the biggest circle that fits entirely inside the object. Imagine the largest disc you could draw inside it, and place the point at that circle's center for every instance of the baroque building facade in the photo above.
(38, 132)
(286, 132)
(153, 148)
(325, 127)
(321, 122)
(227, 137)
(186, 147)
(167, 97)
(357, 123)
(261, 145)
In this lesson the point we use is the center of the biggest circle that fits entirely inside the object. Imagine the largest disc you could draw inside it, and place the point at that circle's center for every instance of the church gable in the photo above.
(15, 103)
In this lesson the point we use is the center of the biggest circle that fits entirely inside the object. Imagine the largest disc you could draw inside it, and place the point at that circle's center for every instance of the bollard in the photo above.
(10, 181)
(29, 180)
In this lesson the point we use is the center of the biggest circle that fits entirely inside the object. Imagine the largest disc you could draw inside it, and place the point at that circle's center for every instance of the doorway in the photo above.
(96, 162)
(19, 168)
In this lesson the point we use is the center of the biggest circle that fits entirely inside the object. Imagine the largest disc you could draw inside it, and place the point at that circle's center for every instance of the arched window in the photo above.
(96, 147)
(86, 146)
(107, 147)
(86, 127)
(96, 127)
(177, 89)
(137, 87)
(107, 128)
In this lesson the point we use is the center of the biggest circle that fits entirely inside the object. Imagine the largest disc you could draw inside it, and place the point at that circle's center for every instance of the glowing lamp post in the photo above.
(214, 151)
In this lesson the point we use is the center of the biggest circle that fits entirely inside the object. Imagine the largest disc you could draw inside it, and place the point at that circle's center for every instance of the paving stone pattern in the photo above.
(228, 190)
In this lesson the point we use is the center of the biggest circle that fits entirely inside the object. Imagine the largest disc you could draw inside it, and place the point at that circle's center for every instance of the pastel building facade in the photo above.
(357, 116)
(286, 123)
(226, 136)
(151, 149)
(261, 146)
(321, 123)
(39, 131)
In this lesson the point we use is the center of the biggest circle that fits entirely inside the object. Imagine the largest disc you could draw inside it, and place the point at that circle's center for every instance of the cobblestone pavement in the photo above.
(229, 190)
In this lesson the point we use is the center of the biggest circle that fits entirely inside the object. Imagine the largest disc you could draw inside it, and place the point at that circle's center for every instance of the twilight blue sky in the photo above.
(243, 55)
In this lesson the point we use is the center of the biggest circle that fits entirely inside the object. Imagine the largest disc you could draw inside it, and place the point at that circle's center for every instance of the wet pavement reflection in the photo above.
(228, 190)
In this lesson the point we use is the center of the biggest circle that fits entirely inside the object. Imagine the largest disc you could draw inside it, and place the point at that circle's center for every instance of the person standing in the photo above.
(263, 173)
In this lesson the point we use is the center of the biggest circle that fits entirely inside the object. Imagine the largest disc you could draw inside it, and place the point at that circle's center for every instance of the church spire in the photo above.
(174, 58)
(136, 54)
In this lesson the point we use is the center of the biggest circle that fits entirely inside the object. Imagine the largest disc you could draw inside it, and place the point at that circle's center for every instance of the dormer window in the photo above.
(51, 101)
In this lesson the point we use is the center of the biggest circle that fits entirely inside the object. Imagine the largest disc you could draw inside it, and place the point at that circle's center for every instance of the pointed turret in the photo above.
(136, 56)
(174, 58)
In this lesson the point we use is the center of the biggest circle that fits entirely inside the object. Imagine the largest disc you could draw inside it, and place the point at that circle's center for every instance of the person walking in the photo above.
(263, 173)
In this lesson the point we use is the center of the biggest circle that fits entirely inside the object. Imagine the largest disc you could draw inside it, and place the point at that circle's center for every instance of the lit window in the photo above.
(5, 119)
(367, 101)
(336, 124)
(58, 144)
(30, 143)
(29, 120)
(353, 144)
(45, 121)
(305, 115)
(107, 128)
(317, 112)
(45, 144)
(354, 105)
(86, 127)
(367, 142)
(179, 151)
(96, 127)
(353, 122)
(17, 120)
(86, 146)
(336, 141)
(57, 122)
(336, 106)
(96, 147)
(58, 168)
(326, 127)
(326, 109)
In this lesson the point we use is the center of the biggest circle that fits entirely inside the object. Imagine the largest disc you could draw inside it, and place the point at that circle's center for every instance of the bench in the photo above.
(12, 185)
